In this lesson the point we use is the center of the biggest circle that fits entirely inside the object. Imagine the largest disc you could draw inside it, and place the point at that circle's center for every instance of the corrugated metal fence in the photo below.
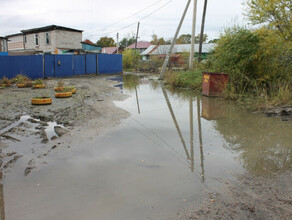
(41, 66)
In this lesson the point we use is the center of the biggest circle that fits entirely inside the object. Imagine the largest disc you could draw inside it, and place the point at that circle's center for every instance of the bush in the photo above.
(130, 58)
(189, 79)
(258, 63)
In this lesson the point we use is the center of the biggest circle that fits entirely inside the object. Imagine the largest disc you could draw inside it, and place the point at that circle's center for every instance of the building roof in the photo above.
(14, 35)
(88, 42)
(140, 45)
(3, 37)
(180, 48)
(49, 28)
(149, 50)
(109, 50)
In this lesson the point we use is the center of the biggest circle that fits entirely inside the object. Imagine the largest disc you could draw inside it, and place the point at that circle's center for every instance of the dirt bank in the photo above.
(51, 125)
(249, 197)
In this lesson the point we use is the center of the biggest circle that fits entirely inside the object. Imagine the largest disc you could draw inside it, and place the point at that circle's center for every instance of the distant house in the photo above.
(109, 50)
(141, 46)
(89, 46)
(162, 50)
(3, 44)
(49, 39)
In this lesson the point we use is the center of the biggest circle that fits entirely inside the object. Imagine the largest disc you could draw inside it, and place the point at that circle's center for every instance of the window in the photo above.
(25, 40)
(47, 38)
(36, 39)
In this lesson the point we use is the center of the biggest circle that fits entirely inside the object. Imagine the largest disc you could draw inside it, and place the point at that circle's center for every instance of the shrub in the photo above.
(130, 58)
(188, 79)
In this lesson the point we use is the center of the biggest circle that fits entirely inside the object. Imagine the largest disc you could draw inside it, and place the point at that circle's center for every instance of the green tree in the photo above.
(106, 42)
(187, 39)
(126, 41)
(277, 14)
(157, 41)
(184, 39)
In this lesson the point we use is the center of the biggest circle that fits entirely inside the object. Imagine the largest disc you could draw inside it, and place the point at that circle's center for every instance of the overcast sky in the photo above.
(96, 17)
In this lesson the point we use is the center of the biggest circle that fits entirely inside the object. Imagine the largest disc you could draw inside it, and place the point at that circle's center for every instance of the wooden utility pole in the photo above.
(173, 41)
(202, 31)
(137, 35)
(191, 61)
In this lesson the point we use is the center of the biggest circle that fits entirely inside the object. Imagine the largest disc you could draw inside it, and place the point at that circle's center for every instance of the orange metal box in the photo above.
(214, 83)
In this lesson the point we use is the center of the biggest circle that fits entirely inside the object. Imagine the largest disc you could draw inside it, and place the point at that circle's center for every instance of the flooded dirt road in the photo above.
(174, 156)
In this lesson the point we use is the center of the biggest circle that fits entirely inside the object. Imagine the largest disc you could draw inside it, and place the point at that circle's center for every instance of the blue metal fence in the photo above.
(110, 63)
(31, 66)
(38, 66)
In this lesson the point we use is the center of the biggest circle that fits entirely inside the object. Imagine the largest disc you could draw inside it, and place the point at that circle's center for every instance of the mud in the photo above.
(284, 112)
(91, 106)
(249, 197)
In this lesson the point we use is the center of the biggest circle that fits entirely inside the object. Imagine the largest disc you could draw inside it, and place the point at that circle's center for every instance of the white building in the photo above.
(51, 39)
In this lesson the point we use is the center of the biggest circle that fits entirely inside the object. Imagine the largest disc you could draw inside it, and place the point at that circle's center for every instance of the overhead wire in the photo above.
(107, 33)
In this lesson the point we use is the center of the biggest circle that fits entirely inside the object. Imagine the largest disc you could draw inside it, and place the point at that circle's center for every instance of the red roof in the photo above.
(88, 42)
(140, 45)
(109, 50)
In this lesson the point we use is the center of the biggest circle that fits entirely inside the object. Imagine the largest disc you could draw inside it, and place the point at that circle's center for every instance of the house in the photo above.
(49, 39)
(3, 45)
(89, 46)
(109, 50)
(162, 50)
(141, 46)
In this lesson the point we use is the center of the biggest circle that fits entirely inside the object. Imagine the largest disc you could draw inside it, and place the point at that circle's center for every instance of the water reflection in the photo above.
(263, 145)
(2, 207)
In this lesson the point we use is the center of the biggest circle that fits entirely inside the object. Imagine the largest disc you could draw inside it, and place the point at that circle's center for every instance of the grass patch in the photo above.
(186, 79)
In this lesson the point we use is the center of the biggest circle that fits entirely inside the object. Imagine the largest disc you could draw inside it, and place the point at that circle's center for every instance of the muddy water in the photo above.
(171, 150)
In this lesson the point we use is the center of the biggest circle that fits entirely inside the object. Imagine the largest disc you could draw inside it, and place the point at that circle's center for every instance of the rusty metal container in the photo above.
(214, 83)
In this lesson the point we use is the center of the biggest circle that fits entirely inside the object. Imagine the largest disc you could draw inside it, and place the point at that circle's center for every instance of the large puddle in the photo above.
(171, 150)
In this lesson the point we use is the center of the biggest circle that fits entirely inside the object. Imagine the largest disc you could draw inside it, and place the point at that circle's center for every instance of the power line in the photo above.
(107, 33)
(150, 6)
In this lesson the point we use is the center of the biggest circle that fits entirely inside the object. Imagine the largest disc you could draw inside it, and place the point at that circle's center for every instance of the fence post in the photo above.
(44, 68)
(96, 64)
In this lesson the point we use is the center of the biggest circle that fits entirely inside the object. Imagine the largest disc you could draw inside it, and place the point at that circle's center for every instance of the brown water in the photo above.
(173, 149)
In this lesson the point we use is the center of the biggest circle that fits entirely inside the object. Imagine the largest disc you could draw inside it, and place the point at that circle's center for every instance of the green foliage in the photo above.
(157, 41)
(106, 42)
(187, 38)
(258, 63)
(38, 82)
(125, 42)
(5, 80)
(235, 54)
(21, 79)
(277, 14)
(189, 79)
(130, 58)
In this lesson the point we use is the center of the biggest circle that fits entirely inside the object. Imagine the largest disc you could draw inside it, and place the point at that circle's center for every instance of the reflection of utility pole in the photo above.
(2, 207)
(175, 121)
(173, 41)
(137, 99)
(191, 61)
(201, 140)
(192, 134)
